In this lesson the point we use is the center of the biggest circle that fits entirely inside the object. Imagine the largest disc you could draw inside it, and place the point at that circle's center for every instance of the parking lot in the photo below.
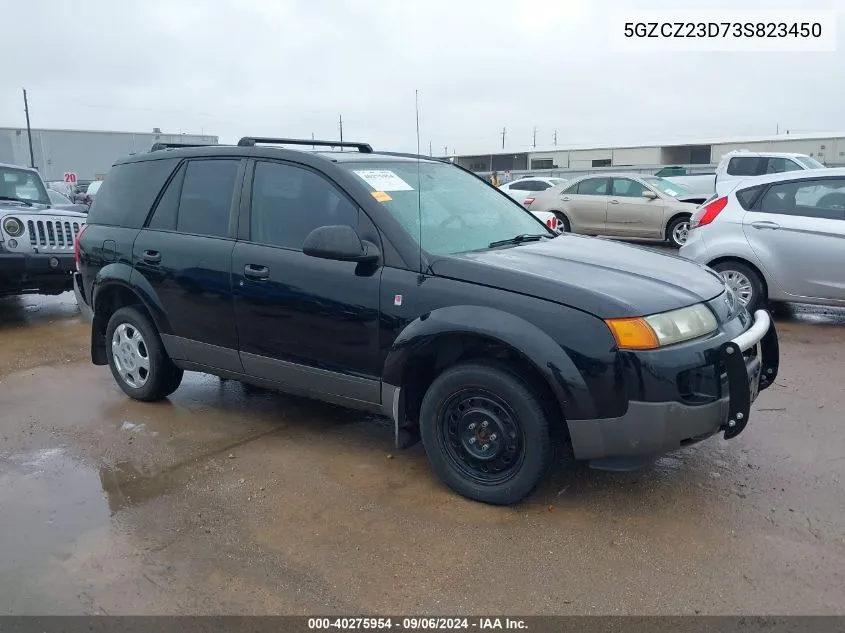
(224, 500)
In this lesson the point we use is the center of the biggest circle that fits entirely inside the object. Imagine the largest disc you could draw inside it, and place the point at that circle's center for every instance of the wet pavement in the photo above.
(224, 500)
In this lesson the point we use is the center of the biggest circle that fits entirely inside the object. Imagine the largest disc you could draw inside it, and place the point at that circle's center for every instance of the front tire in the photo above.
(677, 231)
(486, 433)
(137, 358)
(745, 282)
(563, 221)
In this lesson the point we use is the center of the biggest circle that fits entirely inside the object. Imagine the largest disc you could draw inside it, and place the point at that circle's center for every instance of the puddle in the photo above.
(48, 503)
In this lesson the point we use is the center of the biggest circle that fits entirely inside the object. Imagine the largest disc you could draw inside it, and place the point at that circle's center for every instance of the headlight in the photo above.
(13, 227)
(666, 328)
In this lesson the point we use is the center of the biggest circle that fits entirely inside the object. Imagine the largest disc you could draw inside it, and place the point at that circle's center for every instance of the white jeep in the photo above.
(36, 240)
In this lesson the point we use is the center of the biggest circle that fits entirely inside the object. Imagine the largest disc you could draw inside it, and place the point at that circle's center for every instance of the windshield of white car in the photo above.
(457, 212)
(23, 185)
(809, 163)
(666, 187)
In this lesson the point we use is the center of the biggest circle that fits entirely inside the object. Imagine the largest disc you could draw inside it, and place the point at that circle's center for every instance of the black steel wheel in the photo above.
(481, 436)
(486, 433)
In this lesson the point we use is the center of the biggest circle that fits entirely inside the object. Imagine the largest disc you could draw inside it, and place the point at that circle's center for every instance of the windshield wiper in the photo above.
(26, 202)
(518, 239)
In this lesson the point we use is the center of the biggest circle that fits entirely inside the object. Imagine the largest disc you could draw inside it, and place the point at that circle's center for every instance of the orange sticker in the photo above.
(381, 196)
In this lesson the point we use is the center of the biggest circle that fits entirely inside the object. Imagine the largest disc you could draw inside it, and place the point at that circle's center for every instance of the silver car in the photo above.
(779, 237)
(617, 205)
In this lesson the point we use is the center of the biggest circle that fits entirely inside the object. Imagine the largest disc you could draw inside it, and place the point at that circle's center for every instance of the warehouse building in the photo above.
(826, 148)
(87, 153)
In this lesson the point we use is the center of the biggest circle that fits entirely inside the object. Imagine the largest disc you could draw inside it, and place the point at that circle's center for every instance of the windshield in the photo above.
(809, 163)
(458, 212)
(666, 187)
(92, 188)
(22, 184)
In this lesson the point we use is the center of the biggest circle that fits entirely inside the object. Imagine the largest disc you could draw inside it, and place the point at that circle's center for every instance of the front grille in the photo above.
(56, 235)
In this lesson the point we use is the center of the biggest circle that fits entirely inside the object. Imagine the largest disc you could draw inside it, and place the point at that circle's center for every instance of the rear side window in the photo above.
(206, 200)
(747, 197)
(522, 185)
(747, 166)
(128, 192)
(593, 187)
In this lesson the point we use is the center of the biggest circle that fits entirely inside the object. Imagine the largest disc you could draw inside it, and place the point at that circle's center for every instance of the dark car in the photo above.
(404, 285)
(36, 237)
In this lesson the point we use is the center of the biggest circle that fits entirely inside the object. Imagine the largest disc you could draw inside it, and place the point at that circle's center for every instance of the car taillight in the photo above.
(76, 245)
(528, 202)
(552, 223)
(706, 214)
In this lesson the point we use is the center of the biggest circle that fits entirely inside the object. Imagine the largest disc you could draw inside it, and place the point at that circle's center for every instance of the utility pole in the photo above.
(535, 136)
(430, 152)
(504, 131)
(445, 151)
(777, 129)
(555, 138)
(340, 122)
(28, 130)
(312, 138)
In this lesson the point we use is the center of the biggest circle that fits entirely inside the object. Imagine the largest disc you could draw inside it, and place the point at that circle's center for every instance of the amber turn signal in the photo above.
(633, 333)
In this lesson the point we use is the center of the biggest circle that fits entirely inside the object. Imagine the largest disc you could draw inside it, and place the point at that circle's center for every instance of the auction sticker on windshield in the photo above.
(383, 180)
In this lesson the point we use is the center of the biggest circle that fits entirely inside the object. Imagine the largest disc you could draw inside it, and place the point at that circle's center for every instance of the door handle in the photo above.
(613, 202)
(565, 198)
(257, 273)
(152, 257)
(765, 224)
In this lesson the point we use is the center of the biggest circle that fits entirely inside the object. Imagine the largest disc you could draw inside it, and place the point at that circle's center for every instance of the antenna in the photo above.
(419, 180)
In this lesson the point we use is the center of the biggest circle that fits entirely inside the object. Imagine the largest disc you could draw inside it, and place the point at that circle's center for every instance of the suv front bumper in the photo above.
(744, 365)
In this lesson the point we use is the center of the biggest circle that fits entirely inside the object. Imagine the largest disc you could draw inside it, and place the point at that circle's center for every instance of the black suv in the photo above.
(407, 285)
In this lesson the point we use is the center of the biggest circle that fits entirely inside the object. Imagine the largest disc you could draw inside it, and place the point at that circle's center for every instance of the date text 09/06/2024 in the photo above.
(416, 623)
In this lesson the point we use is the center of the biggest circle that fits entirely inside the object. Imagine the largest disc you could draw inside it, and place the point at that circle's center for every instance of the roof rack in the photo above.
(159, 146)
(251, 141)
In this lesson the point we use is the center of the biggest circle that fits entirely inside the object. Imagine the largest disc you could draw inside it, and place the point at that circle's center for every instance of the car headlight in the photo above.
(666, 328)
(13, 227)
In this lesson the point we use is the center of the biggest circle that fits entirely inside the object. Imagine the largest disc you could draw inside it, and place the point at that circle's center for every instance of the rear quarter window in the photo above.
(747, 166)
(748, 196)
(128, 192)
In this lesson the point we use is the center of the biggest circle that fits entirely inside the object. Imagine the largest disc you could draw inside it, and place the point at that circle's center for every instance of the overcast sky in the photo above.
(290, 67)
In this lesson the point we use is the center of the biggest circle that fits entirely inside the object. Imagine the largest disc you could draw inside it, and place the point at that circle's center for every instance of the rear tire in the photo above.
(474, 405)
(745, 282)
(137, 358)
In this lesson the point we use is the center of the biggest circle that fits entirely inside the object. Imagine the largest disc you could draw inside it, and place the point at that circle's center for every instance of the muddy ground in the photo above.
(220, 501)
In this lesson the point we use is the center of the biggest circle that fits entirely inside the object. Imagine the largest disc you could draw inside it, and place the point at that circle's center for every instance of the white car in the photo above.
(778, 237)
(741, 164)
(523, 188)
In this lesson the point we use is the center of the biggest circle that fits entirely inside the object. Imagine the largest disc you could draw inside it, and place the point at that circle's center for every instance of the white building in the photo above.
(87, 153)
(827, 148)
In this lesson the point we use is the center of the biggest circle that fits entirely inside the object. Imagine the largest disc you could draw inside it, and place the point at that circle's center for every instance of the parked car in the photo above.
(739, 165)
(523, 188)
(36, 239)
(466, 321)
(60, 201)
(779, 237)
(616, 205)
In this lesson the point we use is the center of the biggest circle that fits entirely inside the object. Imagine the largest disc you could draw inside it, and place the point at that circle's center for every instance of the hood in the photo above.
(10, 207)
(605, 278)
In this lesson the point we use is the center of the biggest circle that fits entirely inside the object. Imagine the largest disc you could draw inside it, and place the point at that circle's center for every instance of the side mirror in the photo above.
(340, 243)
(650, 195)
